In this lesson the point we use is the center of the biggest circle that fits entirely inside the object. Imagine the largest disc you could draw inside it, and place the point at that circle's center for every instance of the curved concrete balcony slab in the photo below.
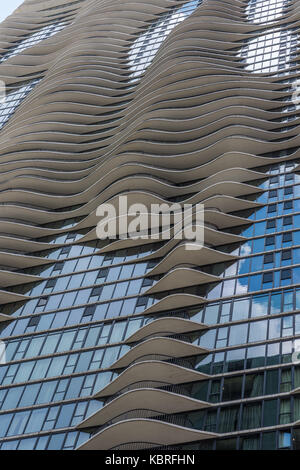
(147, 199)
(170, 246)
(146, 431)
(154, 184)
(222, 221)
(181, 255)
(9, 297)
(167, 326)
(230, 188)
(152, 399)
(226, 204)
(210, 170)
(22, 261)
(27, 246)
(160, 346)
(173, 302)
(162, 373)
(6, 317)
(180, 278)
(28, 230)
(11, 278)
(240, 175)
(226, 160)
(211, 236)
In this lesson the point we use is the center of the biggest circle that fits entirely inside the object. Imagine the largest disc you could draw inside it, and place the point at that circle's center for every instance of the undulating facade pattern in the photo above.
(126, 344)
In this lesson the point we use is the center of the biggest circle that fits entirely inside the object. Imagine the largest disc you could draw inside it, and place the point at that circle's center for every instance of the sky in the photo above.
(7, 7)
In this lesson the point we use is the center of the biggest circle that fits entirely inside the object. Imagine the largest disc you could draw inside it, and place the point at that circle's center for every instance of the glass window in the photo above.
(253, 385)
(228, 420)
(57, 366)
(18, 423)
(285, 440)
(65, 415)
(36, 421)
(250, 443)
(211, 314)
(24, 371)
(50, 344)
(259, 305)
(286, 380)
(235, 360)
(238, 334)
(285, 411)
(258, 331)
(232, 389)
(12, 398)
(273, 353)
(251, 416)
(240, 309)
(256, 356)
(29, 395)
(46, 392)
(269, 441)
(270, 413)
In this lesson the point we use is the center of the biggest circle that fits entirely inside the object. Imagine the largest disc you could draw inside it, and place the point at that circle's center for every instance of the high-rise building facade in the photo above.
(137, 344)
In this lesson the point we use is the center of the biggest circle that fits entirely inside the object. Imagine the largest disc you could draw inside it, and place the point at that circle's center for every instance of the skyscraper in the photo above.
(136, 344)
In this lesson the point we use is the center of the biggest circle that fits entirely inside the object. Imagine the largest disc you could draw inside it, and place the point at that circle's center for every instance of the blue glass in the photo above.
(12, 398)
(18, 423)
(258, 245)
(242, 285)
(238, 334)
(36, 420)
(65, 416)
(259, 305)
(244, 266)
(257, 263)
(46, 392)
(255, 282)
(27, 444)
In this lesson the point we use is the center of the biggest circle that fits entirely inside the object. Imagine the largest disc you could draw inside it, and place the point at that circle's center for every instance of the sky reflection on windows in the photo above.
(34, 39)
(262, 11)
(146, 45)
(274, 50)
(13, 100)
